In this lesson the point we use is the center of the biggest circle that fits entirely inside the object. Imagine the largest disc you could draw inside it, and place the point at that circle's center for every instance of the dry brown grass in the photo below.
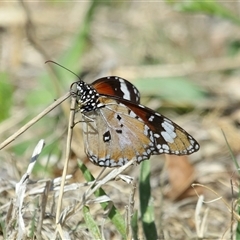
(125, 39)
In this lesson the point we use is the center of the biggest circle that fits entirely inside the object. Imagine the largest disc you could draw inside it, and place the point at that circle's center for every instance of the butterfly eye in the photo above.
(121, 129)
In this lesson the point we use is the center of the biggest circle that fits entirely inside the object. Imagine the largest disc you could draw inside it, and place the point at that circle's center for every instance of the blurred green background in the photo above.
(183, 56)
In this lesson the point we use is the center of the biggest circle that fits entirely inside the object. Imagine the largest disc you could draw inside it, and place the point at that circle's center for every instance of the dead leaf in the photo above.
(181, 175)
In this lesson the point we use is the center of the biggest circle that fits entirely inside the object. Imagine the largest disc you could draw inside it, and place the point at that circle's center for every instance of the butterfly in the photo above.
(117, 128)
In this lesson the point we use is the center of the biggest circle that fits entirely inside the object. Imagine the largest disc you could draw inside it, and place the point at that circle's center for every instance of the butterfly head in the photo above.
(87, 97)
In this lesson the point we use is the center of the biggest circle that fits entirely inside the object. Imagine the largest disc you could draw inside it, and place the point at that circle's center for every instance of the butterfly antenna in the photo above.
(50, 61)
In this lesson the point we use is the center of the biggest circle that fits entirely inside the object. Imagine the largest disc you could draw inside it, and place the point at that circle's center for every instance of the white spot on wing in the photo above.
(192, 142)
(169, 128)
(132, 114)
(167, 120)
(123, 87)
(151, 118)
(146, 129)
(165, 146)
(167, 137)
(113, 163)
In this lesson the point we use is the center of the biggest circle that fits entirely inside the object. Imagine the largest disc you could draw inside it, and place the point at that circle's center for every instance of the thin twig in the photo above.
(219, 198)
(34, 120)
(232, 203)
(182, 69)
(68, 150)
(43, 205)
(21, 188)
(95, 180)
(112, 175)
(130, 209)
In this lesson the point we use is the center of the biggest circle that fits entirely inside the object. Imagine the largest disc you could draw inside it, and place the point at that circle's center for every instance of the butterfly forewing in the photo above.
(169, 137)
(118, 87)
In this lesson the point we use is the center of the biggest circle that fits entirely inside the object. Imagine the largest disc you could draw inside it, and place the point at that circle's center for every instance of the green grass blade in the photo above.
(213, 8)
(6, 92)
(134, 225)
(146, 203)
(231, 152)
(91, 224)
(237, 166)
(114, 215)
(72, 56)
(172, 89)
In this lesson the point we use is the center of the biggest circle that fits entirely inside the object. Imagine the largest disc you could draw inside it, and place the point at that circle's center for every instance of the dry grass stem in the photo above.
(218, 198)
(68, 150)
(130, 209)
(34, 120)
(43, 204)
(110, 176)
(183, 69)
(20, 194)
